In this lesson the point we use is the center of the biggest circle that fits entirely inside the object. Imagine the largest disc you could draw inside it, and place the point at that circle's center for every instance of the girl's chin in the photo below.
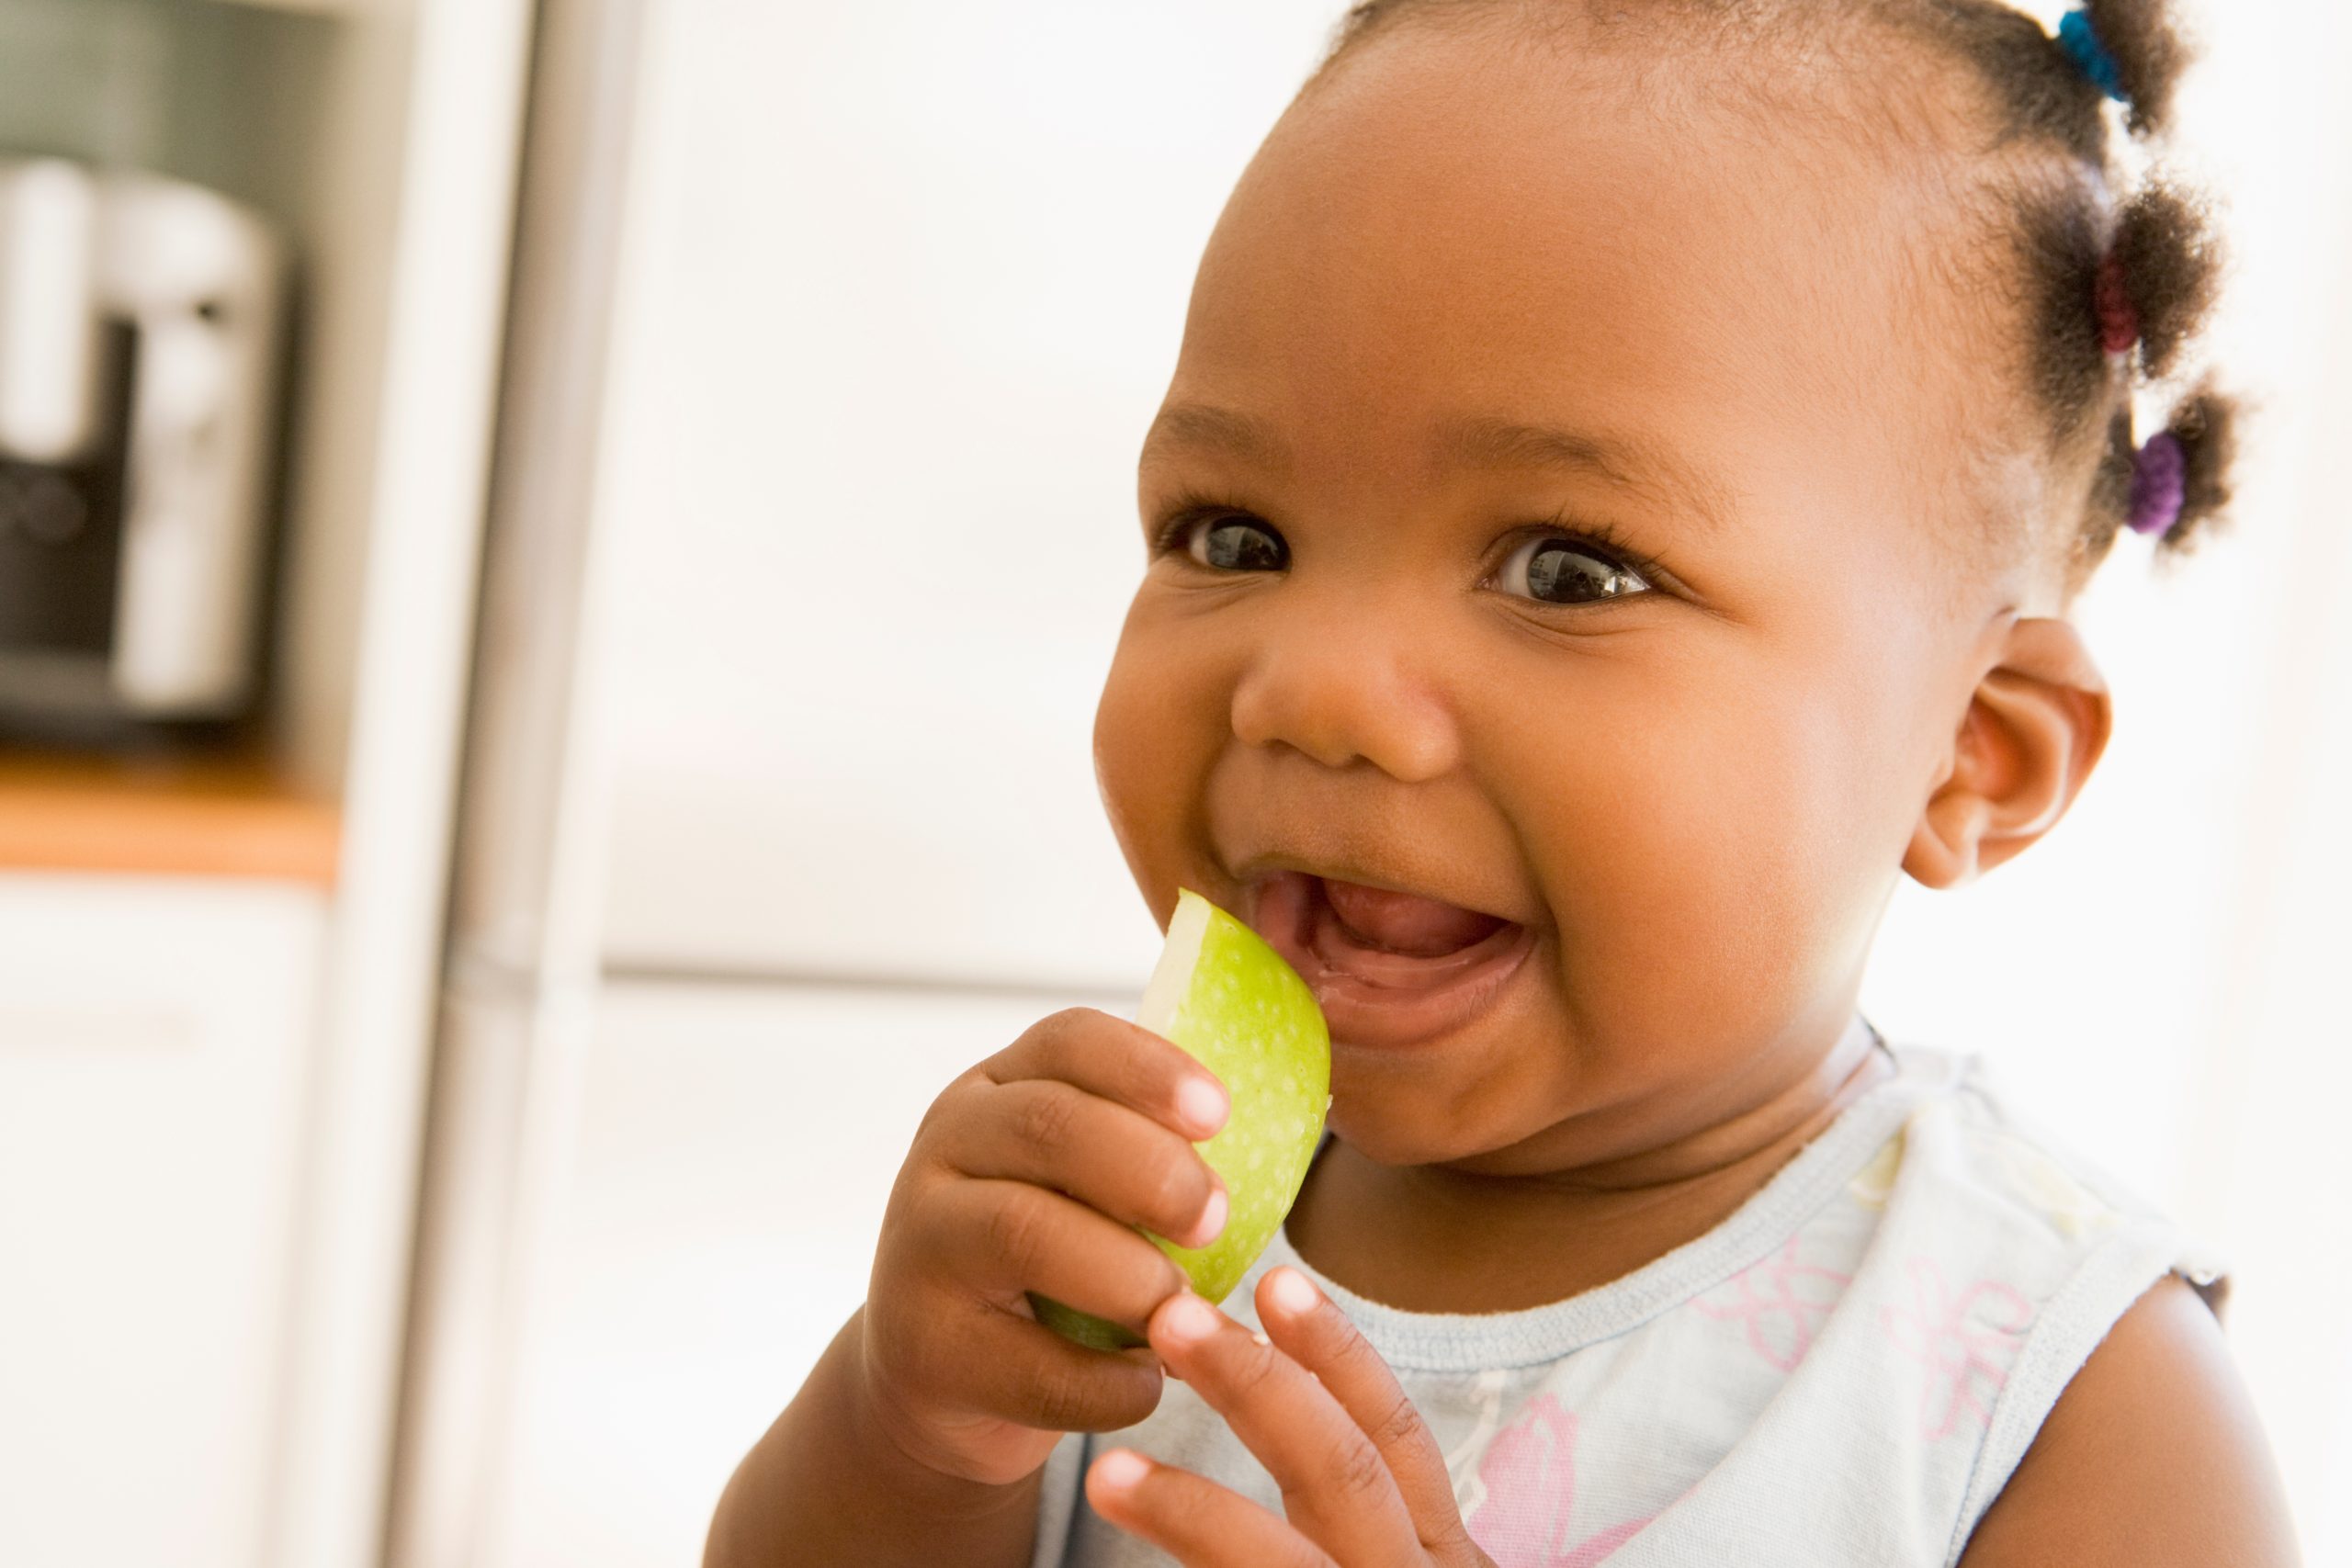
(1375, 999)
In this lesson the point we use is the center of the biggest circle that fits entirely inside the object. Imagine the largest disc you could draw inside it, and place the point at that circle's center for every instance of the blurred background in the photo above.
(555, 562)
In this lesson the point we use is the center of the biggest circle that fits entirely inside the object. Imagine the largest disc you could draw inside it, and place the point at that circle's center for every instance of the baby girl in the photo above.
(1614, 515)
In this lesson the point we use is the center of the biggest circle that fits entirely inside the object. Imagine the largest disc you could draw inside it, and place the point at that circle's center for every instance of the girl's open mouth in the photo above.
(1389, 968)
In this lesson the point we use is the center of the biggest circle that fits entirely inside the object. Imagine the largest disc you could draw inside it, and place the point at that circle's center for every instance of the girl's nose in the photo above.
(1339, 690)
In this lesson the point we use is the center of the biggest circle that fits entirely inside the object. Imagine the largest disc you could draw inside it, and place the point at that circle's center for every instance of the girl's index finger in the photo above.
(1335, 1488)
(1318, 1336)
(1195, 1521)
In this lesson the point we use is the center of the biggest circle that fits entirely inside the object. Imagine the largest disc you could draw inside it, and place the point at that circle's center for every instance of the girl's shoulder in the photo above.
(1985, 1182)
(2120, 1431)
(1970, 1131)
(1928, 1313)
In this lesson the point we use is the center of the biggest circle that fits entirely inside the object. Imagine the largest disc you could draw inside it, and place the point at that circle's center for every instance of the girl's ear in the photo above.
(2035, 729)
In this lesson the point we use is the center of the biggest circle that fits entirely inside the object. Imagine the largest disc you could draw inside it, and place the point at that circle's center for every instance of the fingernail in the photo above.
(1211, 1218)
(1187, 1319)
(1202, 1104)
(1293, 1291)
(1119, 1470)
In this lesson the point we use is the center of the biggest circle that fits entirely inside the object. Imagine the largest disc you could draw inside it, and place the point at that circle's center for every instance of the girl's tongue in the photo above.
(1406, 923)
(1392, 970)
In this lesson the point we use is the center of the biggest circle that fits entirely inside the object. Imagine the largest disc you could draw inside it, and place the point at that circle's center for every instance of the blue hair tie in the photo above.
(2081, 42)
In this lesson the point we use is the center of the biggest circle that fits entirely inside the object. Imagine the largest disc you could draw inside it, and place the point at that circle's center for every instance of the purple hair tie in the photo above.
(2159, 485)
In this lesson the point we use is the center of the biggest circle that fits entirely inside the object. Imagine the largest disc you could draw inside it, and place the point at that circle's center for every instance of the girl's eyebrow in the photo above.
(1218, 431)
(1475, 442)
(1647, 472)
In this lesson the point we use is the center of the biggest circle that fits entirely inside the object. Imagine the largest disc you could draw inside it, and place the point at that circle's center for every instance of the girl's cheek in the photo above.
(1158, 729)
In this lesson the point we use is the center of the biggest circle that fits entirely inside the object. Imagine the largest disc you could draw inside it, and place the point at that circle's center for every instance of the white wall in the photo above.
(905, 281)
(907, 287)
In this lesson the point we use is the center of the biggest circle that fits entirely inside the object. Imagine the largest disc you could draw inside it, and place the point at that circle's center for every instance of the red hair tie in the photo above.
(2119, 322)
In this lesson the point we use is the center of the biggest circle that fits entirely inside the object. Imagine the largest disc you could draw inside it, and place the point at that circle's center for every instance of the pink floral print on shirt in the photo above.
(1529, 1474)
(1780, 1302)
(1964, 1343)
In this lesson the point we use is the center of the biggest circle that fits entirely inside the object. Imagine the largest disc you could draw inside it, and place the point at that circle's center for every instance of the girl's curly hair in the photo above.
(2089, 253)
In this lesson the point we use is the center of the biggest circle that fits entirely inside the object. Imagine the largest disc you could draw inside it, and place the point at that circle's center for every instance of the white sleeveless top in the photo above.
(1845, 1371)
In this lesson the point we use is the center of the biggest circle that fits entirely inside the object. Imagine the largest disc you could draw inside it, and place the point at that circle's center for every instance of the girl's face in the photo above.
(1549, 518)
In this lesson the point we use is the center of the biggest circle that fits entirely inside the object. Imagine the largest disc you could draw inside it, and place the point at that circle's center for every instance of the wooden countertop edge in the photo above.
(229, 821)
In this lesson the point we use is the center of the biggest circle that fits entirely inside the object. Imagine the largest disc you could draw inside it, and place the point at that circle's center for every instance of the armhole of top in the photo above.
(2071, 1325)
(2213, 1290)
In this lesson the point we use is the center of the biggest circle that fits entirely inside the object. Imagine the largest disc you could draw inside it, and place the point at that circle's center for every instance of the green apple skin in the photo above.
(1242, 1012)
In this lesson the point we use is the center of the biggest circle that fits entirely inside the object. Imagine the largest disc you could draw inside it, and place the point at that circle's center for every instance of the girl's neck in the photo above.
(1428, 1239)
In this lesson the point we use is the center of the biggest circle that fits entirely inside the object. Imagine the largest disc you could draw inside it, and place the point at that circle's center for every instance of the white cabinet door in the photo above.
(735, 1148)
(903, 287)
(152, 1041)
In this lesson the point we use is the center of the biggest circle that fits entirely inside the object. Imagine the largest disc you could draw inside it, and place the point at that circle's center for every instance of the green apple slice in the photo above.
(1242, 1012)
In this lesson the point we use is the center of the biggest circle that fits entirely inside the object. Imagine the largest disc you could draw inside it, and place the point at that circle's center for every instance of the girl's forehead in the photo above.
(1453, 229)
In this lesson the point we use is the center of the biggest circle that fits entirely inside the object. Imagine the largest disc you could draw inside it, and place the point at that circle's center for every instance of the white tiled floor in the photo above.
(736, 1149)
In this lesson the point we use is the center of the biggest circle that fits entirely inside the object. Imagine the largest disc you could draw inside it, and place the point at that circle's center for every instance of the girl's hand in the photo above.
(1361, 1479)
(1030, 1172)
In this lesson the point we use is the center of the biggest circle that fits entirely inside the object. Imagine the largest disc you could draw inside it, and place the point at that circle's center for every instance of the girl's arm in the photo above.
(918, 1437)
(2151, 1458)
(827, 1485)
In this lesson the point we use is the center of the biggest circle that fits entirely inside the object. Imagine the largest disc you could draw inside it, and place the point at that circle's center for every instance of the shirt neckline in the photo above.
(1464, 1342)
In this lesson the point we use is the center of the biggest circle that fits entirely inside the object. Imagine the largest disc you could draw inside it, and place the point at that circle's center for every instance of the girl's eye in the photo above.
(1237, 544)
(1561, 572)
